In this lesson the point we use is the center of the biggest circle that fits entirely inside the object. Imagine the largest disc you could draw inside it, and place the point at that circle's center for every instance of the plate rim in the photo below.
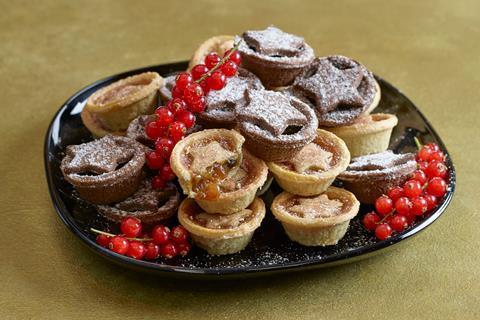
(365, 251)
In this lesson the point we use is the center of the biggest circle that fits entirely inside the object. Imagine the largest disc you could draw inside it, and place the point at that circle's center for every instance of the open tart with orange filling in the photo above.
(106, 170)
(221, 234)
(339, 89)
(275, 126)
(276, 57)
(313, 169)
(368, 134)
(316, 221)
(151, 206)
(112, 108)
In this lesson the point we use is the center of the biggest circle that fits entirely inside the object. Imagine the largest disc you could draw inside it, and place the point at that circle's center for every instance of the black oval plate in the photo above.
(270, 250)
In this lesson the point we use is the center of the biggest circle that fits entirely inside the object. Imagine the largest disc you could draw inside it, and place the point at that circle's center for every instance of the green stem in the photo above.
(113, 235)
(209, 73)
(418, 143)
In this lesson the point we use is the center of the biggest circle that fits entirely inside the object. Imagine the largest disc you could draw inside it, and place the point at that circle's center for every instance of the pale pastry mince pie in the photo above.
(369, 134)
(313, 169)
(321, 220)
(221, 234)
(218, 44)
(112, 108)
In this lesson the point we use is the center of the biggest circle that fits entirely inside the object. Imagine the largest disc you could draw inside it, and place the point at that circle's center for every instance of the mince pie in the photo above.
(221, 104)
(368, 134)
(221, 234)
(338, 88)
(218, 44)
(276, 57)
(110, 109)
(151, 206)
(106, 170)
(313, 169)
(275, 126)
(370, 176)
(320, 220)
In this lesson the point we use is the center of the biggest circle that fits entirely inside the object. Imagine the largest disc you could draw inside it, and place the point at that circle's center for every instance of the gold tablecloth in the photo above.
(50, 49)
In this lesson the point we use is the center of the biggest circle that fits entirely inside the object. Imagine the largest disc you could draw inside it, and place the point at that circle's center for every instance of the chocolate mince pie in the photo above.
(275, 126)
(372, 175)
(106, 170)
(276, 57)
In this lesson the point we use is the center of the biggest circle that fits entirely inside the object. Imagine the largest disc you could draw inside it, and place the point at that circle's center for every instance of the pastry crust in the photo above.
(222, 240)
(305, 184)
(376, 99)
(370, 134)
(218, 44)
(113, 107)
(320, 231)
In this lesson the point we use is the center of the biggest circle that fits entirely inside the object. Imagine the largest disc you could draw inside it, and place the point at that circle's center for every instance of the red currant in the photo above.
(164, 147)
(179, 234)
(395, 193)
(166, 173)
(103, 240)
(153, 251)
(384, 205)
(403, 206)
(131, 227)
(437, 187)
(177, 93)
(198, 106)
(431, 201)
(412, 189)
(370, 221)
(176, 104)
(398, 223)
(211, 60)
(165, 117)
(168, 250)
(205, 87)
(186, 118)
(153, 130)
(422, 165)
(235, 57)
(193, 92)
(424, 154)
(419, 206)
(136, 250)
(437, 155)
(198, 71)
(183, 248)
(160, 234)
(177, 131)
(182, 80)
(433, 146)
(216, 81)
(119, 245)
(229, 68)
(158, 183)
(420, 176)
(436, 169)
(383, 231)
(154, 160)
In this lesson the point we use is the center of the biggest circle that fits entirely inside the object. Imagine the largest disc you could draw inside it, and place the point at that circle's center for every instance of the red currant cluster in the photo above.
(188, 97)
(419, 195)
(135, 244)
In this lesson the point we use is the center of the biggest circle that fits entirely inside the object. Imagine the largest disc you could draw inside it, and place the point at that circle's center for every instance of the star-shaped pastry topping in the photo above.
(146, 198)
(274, 42)
(312, 157)
(331, 82)
(219, 221)
(205, 156)
(271, 111)
(99, 156)
(317, 207)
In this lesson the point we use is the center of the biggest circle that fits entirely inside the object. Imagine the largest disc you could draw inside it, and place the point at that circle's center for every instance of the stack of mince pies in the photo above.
(287, 115)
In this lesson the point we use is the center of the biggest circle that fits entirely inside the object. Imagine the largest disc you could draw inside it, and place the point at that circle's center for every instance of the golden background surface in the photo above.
(51, 49)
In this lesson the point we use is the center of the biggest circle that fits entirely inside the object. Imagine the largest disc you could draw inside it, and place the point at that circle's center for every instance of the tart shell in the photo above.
(218, 44)
(221, 241)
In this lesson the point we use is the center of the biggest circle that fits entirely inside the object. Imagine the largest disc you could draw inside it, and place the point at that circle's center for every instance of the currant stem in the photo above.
(418, 143)
(113, 235)
(218, 65)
